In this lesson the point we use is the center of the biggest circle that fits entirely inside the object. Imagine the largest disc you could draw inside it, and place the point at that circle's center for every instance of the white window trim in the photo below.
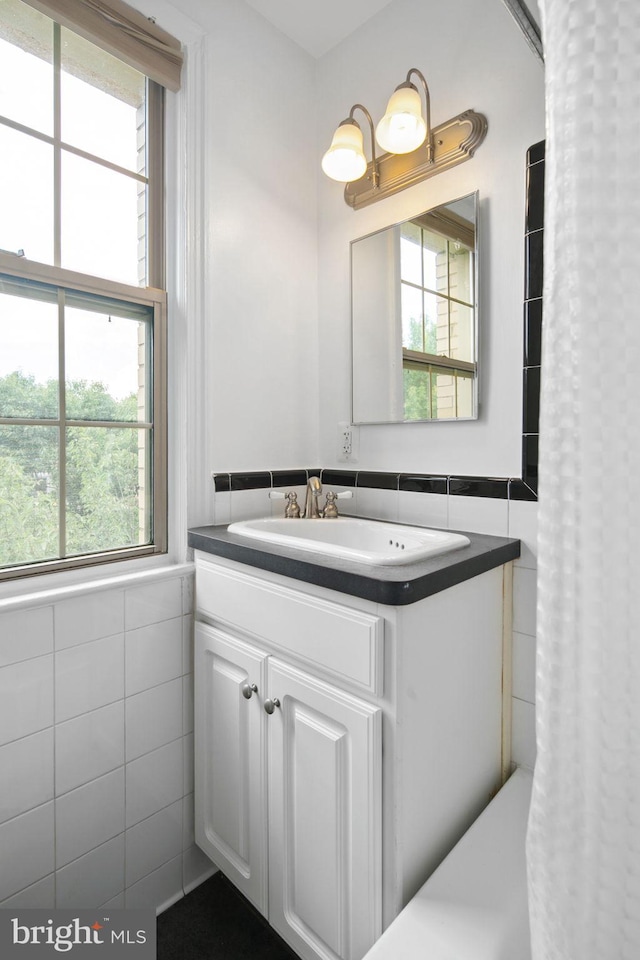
(188, 344)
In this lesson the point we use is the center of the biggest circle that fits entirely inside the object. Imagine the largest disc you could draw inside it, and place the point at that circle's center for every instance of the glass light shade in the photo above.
(345, 160)
(402, 129)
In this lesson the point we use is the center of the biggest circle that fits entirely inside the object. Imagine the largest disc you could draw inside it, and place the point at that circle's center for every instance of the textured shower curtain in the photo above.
(583, 845)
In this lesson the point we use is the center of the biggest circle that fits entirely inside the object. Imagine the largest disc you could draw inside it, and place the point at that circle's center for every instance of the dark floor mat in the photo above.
(214, 922)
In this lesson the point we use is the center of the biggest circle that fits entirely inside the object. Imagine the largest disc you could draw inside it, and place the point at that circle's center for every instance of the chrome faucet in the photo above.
(314, 489)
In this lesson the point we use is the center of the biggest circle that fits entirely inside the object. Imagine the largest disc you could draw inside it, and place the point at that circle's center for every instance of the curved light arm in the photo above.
(429, 138)
(374, 169)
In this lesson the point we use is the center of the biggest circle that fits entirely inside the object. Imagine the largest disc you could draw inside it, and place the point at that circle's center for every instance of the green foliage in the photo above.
(101, 472)
(417, 400)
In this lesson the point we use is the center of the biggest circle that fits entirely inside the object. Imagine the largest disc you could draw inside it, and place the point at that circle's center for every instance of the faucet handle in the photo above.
(292, 508)
(330, 511)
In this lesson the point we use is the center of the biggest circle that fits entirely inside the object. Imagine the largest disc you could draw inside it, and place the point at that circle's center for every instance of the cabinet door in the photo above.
(230, 763)
(325, 754)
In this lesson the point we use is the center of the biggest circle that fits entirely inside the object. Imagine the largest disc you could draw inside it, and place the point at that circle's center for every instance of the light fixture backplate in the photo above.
(453, 142)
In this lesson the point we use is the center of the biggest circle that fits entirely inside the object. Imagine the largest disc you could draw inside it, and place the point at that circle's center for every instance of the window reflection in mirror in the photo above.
(414, 317)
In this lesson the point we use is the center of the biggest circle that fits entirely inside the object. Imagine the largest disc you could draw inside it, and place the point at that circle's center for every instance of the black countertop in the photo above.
(393, 585)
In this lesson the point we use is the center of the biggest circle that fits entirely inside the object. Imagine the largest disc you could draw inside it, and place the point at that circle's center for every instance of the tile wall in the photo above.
(96, 748)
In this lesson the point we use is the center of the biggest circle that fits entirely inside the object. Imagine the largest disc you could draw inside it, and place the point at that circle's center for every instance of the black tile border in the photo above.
(339, 478)
(377, 480)
(536, 153)
(257, 480)
(495, 488)
(289, 478)
(531, 400)
(534, 215)
(533, 332)
(501, 488)
(222, 482)
(527, 487)
(422, 483)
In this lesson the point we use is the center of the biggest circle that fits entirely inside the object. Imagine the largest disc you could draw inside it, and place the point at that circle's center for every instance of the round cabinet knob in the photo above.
(270, 705)
(249, 689)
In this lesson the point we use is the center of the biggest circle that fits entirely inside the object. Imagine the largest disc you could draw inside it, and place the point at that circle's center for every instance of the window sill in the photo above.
(50, 588)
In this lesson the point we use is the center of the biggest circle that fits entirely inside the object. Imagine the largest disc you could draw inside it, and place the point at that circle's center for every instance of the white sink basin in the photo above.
(369, 541)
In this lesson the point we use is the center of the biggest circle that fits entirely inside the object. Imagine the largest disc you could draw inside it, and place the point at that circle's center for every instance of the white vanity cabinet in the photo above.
(298, 806)
(288, 765)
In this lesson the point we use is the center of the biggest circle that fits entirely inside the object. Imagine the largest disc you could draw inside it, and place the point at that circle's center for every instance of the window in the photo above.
(82, 311)
(437, 306)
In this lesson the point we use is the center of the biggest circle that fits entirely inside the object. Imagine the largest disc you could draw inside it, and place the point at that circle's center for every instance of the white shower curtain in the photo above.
(583, 846)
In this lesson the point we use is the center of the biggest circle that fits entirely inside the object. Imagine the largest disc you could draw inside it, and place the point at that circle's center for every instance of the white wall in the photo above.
(473, 56)
(259, 221)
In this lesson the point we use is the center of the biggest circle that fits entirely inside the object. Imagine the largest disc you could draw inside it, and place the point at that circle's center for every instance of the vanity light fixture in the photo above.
(345, 159)
(415, 150)
(403, 128)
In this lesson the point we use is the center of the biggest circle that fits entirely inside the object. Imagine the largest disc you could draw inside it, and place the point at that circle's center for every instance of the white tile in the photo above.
(479, 515)
(196, 868)
(39, 896)
(89, 816)
(188, 585)
(26, 774)
(347, 506)
(26, 698)
(152, 602)
(26, 850)
(425, 509)
(25, 634)
(89, 746)
(154, 781)
(153, 655)
(94, 879)
(523, 733)
(523, 525)
(153, 718)
(524, 600)
(188, 822)
(187, 704)
(116, 903)
(153, 842)
(188, 764)
(159, 889)
(222, 508)
(187, 644)
(378, 504)
(248, 504)
(89, 676)
(524, 667)
(82, 619)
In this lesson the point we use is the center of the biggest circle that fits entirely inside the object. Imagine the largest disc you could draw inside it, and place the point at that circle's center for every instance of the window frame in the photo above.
(433, 364)
(19, 267)
(157, 300)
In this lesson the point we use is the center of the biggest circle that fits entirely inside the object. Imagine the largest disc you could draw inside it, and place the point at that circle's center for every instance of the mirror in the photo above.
(414, 318)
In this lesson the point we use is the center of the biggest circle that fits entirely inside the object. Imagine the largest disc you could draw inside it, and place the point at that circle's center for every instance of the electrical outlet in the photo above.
(347, 442)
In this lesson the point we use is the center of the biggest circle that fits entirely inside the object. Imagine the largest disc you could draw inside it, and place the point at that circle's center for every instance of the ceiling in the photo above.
(317, 25)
